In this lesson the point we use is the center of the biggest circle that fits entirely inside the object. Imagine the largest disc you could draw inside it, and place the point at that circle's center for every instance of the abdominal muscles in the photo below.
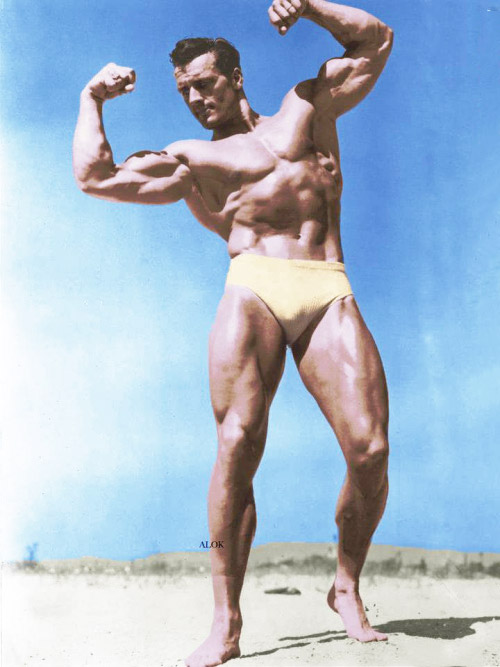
(291, 212)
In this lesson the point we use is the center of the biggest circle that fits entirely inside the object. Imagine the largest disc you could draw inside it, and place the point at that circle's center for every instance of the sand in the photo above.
(125, 620)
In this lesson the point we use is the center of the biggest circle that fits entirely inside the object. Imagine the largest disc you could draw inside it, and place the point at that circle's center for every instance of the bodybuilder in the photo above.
(270, 186)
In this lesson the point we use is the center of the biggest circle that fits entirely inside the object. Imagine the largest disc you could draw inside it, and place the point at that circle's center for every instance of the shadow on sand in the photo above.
(431, 628)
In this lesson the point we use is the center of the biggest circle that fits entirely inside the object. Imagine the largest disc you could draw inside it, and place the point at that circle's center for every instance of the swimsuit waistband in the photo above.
(297, 263)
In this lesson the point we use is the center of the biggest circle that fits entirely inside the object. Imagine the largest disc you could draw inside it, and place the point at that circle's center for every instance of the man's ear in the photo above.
(237, 79)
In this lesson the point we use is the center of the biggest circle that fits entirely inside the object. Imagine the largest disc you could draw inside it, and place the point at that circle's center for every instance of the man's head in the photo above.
(209, 78)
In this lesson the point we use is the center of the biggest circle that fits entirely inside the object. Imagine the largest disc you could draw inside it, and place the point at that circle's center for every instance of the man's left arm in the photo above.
(342, 82)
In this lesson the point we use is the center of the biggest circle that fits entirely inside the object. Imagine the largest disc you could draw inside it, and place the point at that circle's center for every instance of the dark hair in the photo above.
(227, 56)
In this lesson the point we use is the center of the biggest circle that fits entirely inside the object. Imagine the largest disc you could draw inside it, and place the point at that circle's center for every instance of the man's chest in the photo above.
(269, 157)
(279, 154)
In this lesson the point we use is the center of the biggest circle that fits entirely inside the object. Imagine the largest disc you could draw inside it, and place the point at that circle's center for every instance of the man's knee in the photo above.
(240, 447)
(367, 454)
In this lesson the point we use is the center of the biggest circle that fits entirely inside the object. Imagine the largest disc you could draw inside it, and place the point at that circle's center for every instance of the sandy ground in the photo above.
(152, 621)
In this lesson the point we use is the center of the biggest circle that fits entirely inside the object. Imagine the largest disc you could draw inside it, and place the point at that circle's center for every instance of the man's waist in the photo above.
(285, 245)
(292, 262)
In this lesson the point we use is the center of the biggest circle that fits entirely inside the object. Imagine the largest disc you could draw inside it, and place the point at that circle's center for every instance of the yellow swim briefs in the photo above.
(294, 290)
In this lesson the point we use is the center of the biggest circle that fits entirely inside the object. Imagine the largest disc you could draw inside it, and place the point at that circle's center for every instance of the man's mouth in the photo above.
(205, 112)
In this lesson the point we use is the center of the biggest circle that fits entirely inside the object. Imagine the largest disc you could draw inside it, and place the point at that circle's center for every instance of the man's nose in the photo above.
(194, 96)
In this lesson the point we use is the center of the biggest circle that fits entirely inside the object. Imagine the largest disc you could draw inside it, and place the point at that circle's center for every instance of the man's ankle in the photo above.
(346, 586)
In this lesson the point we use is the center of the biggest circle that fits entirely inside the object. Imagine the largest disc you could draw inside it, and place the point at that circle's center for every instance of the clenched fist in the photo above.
(284, 13)
(111, 81)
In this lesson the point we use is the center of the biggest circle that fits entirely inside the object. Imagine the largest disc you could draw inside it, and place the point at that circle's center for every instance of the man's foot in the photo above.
(349, 605)
(220, 646)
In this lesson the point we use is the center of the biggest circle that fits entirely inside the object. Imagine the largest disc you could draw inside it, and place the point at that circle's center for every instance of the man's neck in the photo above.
(245, 120)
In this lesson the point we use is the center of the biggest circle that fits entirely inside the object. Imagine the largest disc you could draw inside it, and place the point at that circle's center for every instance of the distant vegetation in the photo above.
(197, 564)
(388, 567)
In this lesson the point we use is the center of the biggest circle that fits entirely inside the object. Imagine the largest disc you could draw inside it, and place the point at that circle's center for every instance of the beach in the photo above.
(120, 618)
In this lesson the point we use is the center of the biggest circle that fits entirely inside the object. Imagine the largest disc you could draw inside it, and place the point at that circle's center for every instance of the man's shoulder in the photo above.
(297, 106)
(299, 99)
(301, 92)
(180, 148)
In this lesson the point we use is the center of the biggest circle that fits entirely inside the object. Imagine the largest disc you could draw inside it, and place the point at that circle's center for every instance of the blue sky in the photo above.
(108, 432)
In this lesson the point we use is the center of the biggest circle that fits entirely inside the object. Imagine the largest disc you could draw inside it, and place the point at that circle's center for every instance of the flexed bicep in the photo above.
(146, 177)
(343, 82)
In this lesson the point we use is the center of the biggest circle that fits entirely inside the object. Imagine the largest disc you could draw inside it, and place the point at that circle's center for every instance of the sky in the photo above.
(108, 436)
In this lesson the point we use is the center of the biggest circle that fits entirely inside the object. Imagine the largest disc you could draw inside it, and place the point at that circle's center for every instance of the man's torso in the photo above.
(275, 190)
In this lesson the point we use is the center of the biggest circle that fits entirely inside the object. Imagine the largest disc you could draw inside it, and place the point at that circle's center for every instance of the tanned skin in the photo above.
(269, 186)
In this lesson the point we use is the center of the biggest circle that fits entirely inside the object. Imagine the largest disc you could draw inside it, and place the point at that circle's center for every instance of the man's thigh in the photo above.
(246, 357)
(341, 367)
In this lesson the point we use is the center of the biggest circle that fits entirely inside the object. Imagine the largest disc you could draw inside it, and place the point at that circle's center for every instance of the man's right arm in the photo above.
(147, 177)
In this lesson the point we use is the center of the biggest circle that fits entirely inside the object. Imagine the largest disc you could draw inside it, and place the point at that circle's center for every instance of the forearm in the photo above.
(92, 155)
(348, 25)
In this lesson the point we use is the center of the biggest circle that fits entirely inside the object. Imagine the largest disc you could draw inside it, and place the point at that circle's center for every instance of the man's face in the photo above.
(211, 97)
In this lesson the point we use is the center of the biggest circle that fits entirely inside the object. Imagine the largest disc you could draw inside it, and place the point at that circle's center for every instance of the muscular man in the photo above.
(270, 186)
